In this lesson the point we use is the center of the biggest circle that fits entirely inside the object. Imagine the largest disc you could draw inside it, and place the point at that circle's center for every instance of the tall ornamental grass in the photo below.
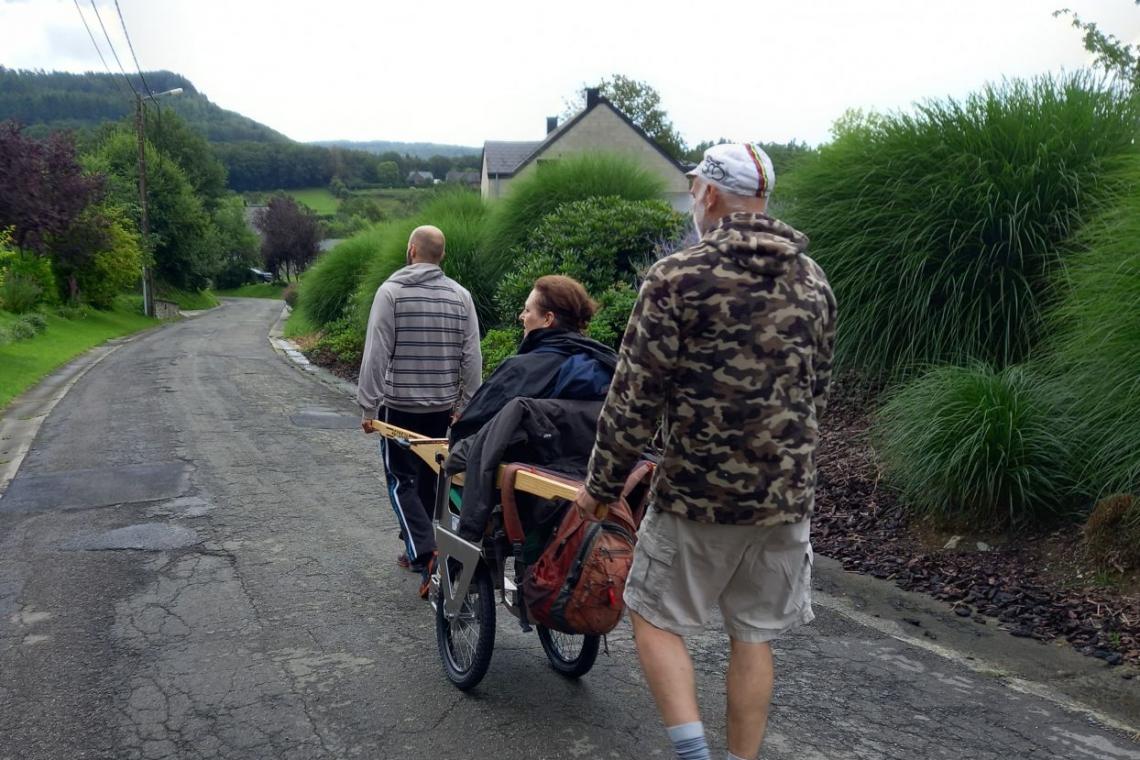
(572, 178)
(329, 284)
(941, 230)
(461, 215)
(1097, 354)
(977, 447)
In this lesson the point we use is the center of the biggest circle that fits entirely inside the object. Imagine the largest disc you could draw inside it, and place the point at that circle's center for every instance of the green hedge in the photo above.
(573, 178)
(598, 241)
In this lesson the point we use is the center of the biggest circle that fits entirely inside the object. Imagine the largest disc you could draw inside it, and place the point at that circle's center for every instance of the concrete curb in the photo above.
(288, 350)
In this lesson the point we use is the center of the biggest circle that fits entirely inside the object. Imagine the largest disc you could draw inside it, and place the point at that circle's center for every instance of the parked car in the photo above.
(261, 274)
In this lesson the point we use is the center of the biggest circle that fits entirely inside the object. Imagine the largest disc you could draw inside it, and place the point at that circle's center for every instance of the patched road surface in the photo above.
(197, 561)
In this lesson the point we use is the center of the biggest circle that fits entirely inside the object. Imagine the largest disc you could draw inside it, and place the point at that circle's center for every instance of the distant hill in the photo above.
(256, 157)
(49, 101)
(417, 149)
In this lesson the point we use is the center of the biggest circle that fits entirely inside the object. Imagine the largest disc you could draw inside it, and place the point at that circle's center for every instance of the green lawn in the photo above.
(396, 202)
(318, 199)
(255, 290)
(189, 300)
(24, 363)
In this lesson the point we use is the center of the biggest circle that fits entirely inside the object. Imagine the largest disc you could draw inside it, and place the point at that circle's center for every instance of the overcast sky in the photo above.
(464, 72)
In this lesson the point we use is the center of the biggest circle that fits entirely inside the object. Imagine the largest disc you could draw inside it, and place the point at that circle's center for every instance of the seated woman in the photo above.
(554, 360)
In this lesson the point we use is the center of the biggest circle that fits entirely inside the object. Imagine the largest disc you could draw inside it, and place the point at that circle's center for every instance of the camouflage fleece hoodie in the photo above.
(730, 344)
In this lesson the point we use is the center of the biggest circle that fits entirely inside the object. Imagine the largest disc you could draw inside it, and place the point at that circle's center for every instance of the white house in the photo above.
(599, 127)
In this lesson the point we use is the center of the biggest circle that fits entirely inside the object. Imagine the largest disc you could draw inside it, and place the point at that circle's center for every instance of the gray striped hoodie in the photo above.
(421, 352)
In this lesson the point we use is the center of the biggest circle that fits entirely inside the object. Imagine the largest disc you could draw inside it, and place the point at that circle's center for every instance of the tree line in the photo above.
(71, 215)
(256, 158)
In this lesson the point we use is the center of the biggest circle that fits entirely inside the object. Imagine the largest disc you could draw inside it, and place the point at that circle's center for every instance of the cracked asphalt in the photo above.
(191, 567)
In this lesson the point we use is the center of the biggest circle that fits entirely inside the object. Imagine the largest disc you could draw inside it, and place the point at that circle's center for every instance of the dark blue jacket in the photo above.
(551, 363)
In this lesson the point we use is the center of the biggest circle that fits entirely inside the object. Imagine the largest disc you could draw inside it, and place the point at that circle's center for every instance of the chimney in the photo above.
(593, 95)
(551, 124)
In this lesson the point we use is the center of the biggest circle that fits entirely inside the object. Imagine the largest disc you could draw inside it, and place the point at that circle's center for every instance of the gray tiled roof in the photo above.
(504, 157)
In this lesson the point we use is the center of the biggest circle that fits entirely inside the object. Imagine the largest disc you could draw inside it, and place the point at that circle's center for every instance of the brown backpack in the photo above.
(576, 585)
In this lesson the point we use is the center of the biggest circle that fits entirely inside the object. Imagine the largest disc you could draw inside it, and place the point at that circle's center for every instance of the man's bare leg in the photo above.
(668, 669)
(750, 674)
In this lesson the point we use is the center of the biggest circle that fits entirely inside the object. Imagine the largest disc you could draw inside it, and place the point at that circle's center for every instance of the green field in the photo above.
(394, 202)
(24, 363)
(318, 199)
(254, 290)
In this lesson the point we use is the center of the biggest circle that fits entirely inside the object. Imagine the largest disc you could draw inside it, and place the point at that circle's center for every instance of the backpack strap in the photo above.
(515, 533)
(509, 500)
(641, 471)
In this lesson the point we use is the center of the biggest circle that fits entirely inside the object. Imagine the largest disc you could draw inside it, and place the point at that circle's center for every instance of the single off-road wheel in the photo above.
(466, 643)
(570, 654)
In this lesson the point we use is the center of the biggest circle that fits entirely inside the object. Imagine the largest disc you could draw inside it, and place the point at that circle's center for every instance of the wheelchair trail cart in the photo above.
(472, 579)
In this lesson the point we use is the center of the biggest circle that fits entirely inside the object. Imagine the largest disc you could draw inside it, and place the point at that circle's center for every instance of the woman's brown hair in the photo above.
(567, 300)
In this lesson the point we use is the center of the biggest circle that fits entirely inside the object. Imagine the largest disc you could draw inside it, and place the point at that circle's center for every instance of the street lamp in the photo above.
(140, 129)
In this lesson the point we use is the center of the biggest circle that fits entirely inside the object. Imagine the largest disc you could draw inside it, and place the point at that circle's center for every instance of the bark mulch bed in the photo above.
(1035, 586)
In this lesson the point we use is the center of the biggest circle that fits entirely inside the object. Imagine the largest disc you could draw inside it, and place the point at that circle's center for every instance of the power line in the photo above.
(112, 46)
(132, 49)
(97, 50)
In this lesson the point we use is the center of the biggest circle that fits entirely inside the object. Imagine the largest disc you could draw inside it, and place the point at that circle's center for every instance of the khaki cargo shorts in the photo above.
(759, 576)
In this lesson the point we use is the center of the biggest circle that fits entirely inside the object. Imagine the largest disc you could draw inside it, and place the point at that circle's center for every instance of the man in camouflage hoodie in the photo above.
(729, 350)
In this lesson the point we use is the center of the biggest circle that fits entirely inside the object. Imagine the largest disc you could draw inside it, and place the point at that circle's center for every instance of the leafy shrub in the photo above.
(22, 330)
(114, 270)
(344, 339)
(331, 281)
(614, 307)
(26, 279)
(5, 336)
(518, 282)
(1097, 346)
(19, 293)
(941, 231)
(540, 193)
(72, 312)
(37, 321)
(597, 241)
(976, 447)
(289, 294)
(1112, 532)
(499, 344)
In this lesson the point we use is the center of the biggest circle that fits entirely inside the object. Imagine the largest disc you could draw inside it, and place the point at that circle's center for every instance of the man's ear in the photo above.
(712, 196)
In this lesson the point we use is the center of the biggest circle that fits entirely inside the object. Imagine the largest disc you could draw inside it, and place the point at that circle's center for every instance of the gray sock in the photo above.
(689, 741)
(729, 756)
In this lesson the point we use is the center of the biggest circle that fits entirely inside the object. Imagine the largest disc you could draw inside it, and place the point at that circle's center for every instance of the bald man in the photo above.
(420, 366)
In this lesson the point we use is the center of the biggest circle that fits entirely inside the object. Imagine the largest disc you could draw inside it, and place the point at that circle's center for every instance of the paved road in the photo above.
(262, 615)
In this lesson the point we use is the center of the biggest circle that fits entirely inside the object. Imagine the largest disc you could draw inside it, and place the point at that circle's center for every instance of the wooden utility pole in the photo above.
(144, 225)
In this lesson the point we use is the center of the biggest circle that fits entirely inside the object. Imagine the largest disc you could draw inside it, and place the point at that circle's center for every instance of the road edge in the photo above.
(20, 422)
